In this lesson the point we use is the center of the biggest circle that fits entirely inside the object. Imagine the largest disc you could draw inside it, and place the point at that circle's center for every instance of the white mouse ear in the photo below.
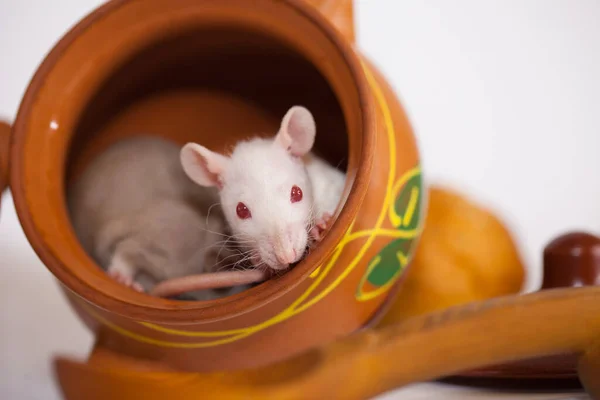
(297, 131)
(203, 166)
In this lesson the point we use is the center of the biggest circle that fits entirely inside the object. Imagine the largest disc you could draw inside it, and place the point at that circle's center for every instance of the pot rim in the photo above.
(145, 307)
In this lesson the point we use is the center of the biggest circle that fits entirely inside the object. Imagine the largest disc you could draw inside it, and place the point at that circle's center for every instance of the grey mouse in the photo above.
(144, 221)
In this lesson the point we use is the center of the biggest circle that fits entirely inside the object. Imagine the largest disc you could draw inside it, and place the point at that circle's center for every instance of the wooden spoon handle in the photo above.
(177, 286)
(369, 363)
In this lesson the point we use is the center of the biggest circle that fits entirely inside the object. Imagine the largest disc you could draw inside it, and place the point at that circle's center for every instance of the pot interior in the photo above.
(213, 86)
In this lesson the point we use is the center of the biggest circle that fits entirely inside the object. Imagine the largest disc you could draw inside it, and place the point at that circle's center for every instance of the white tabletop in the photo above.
(501, 76)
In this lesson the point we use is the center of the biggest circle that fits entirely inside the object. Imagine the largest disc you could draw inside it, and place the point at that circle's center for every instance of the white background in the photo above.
(504, 96)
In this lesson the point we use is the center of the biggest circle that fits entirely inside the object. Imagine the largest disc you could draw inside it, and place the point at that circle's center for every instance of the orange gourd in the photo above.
(465, 254)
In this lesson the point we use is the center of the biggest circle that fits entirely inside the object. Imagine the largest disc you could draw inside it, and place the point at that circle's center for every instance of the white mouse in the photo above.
(275, 194)
(144, 221)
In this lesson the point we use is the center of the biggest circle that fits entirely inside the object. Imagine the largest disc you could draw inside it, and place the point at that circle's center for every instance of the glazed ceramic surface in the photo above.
(214, 72)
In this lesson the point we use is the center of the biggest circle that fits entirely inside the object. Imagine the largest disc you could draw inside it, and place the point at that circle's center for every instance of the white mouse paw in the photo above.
(320, 226)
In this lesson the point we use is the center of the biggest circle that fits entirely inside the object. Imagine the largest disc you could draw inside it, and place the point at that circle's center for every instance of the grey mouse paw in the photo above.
(122, 271)
(126, 280)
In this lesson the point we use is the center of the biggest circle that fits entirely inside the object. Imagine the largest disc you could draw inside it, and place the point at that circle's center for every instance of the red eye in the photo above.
(296, 194)
(242, 211)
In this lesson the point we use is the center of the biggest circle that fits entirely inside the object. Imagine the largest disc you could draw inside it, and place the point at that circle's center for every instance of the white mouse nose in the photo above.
(286, 256)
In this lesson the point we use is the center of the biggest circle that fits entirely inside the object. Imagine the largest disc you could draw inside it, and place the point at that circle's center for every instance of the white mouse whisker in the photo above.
(210, 209)
(236, 256)
(243, 257)
(224, 246)
(215, 233)
(236, 253)
(229, 266)
(218, 244)
(240, 266)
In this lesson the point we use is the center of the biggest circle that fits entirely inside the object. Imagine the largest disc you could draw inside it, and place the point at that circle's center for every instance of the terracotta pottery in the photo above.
(562, 324)
(215, 71)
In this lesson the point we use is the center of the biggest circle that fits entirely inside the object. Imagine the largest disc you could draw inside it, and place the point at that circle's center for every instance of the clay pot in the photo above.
(212, 72)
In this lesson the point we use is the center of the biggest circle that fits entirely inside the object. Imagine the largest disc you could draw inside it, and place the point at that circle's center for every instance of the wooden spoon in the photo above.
(570, 260)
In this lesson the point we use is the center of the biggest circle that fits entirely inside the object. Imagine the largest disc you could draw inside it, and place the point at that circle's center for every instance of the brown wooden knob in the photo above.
(572, 260)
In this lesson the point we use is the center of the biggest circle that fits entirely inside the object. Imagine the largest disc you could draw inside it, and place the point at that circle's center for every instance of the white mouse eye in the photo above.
(296, 194)
(243, 212)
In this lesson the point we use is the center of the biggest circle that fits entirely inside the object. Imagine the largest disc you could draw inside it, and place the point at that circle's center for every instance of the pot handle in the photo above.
(340, 13)
(4, 144)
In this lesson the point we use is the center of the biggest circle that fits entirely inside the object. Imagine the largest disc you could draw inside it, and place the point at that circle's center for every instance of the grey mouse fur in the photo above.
(143, 220)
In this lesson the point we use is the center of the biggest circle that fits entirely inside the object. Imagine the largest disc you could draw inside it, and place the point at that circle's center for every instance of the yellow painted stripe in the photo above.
(412, 205)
